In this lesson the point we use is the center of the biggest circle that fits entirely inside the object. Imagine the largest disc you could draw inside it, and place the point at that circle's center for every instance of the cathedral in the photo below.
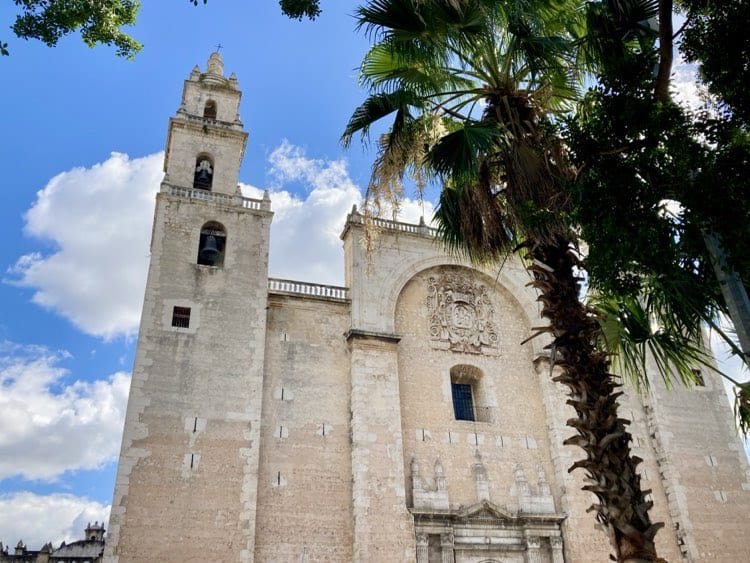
(395, 419)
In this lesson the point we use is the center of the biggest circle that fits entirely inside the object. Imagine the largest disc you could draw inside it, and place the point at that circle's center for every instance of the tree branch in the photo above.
(661, 88)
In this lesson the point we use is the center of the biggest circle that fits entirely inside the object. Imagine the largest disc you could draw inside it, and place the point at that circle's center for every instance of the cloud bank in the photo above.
(49, 425)
(305, 243)
(98, 220)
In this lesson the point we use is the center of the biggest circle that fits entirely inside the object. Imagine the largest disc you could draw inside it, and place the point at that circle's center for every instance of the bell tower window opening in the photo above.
(204, 173)
(211, 245)
(468, 394)
(209, 110)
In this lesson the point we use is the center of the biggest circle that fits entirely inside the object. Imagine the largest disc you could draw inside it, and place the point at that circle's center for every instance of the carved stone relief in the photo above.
(461, 314)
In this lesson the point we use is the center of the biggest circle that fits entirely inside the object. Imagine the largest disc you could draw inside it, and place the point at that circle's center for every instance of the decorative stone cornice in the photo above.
(357, 334)
(488, 510)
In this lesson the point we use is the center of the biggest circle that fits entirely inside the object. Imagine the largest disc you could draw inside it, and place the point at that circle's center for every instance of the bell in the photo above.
(209, 253)
(203, 178)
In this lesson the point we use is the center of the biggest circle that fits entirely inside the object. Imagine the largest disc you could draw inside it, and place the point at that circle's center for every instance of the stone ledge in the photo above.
(356, 334)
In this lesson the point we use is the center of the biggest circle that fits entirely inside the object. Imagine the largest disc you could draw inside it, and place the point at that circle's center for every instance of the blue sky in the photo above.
(81, 161)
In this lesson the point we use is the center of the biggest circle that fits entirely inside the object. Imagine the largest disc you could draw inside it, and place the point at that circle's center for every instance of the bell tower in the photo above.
(188, 468)
(205, 141)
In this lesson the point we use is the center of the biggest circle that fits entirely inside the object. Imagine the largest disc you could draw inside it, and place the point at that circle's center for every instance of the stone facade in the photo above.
(397, 418)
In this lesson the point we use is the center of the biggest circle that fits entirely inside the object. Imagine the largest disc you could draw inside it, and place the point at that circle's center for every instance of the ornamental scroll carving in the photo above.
(460, 314)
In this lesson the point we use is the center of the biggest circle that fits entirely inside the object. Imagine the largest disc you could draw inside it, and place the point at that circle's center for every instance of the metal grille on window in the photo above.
(181, 317)
(463, 404)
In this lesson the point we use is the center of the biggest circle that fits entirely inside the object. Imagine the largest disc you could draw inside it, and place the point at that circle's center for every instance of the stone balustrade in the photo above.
(184, 116)
(224, 199)
(290, 287)
(421, 229)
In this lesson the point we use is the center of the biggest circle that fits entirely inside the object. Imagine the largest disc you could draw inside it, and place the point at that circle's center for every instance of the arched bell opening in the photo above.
(204, 172)
(211, 245)
(209, 110)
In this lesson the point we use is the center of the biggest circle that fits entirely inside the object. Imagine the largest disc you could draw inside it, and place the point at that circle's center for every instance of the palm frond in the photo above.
(613, 27)
(456, 155)
(384, 69)
(632, 335)
(415, 20)
(512, 60)
(742, 407)
(401, 150)
(382, 17)
(471, 222)
(376, 107)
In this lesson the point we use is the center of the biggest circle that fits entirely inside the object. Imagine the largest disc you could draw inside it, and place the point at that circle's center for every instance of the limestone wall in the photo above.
(186, 480)
(508, 437)
(304, 481)
(702, 466)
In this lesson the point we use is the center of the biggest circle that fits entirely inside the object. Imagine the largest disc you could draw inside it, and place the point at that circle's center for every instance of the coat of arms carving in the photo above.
(461, 314)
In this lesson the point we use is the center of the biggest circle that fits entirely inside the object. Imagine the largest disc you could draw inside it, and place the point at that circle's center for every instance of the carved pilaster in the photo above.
(556, 544)
(533, 549)
(422, 548)
(383, 528)
(446, 548)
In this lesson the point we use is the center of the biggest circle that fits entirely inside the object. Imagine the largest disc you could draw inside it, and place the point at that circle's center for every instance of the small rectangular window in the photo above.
(698, 375)
(181, 317)
(463, 404)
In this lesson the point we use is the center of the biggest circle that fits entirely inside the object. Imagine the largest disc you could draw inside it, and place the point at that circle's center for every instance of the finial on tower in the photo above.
(215, 65)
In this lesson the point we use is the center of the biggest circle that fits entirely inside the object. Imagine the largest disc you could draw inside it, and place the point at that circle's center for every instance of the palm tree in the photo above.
(472, 86)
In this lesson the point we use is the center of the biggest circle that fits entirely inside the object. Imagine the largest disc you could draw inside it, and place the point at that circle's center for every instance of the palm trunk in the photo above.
(622, 506)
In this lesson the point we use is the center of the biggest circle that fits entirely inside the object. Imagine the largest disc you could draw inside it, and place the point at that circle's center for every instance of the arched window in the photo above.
(468, 394)
(211, 245)
(203, 178)
(209, 110)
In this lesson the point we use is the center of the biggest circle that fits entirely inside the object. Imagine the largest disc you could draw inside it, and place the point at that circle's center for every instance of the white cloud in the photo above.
(37, 519)
(99, 220)
(49, 425)
(305, 243)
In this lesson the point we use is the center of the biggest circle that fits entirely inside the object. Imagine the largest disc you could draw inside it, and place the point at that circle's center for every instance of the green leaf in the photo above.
(375, 108)
(457, 154)
(98, 22)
